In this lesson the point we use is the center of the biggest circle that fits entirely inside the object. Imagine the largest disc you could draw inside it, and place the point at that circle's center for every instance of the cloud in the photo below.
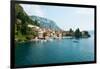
(33, 10)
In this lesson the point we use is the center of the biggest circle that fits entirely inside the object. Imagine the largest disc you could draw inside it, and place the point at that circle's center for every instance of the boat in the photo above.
(76, 41)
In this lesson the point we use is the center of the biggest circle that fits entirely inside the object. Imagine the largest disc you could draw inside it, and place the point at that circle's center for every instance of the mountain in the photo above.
(22, 15)
(22, 31)
(45, 23)
(22, 21)
(23, 18)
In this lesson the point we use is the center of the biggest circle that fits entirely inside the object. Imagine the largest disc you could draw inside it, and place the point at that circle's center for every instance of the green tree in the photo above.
(77, 33)
(36, 23)
(70, 30)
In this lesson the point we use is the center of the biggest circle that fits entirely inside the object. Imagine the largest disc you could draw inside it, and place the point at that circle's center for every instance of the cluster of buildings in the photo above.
(44, 33)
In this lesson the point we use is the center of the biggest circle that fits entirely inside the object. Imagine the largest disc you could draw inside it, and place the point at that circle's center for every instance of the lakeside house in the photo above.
(85, 34)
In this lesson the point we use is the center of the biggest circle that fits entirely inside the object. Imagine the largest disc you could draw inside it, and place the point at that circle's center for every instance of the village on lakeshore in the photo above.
(49, 35)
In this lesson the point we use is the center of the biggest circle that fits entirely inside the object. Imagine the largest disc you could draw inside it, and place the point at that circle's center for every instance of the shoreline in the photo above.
(49, 39)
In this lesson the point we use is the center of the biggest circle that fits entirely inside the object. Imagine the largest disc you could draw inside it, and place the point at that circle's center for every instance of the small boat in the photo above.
(50, 39)
(75, 41)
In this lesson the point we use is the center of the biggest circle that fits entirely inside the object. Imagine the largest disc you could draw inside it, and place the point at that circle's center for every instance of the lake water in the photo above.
(56, 51)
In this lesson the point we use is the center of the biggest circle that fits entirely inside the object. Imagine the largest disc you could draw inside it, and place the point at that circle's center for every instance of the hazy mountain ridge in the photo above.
(45, 23)
(34, 20)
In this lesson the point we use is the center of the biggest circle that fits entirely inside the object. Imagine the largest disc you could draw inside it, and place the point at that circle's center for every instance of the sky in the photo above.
(64, 17)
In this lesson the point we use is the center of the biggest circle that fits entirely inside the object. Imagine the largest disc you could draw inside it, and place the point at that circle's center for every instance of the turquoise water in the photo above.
(56, 51)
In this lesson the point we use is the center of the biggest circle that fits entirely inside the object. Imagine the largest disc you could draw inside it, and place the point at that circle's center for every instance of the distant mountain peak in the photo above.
(45, 23)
